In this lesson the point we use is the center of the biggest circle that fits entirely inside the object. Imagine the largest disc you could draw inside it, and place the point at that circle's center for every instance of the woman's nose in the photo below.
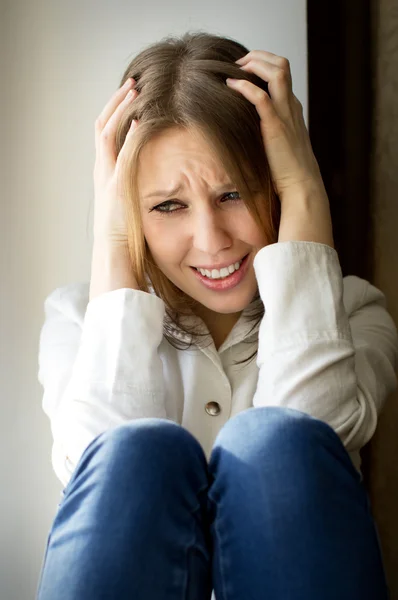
(210, 234)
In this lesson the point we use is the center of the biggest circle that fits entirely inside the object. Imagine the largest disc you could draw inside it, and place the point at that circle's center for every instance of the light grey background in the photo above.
(60, 63)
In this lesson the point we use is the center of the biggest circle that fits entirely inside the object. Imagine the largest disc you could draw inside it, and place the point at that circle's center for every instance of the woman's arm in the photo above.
(99, 366)
(305, 216)
(327, 346)
(111, 268)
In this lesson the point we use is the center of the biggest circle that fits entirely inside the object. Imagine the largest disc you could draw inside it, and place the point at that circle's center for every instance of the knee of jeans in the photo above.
(149, 436)
(274, 427)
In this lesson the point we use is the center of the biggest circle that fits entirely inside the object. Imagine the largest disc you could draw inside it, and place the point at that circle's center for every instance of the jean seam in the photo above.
(192, 542)
(217, 543)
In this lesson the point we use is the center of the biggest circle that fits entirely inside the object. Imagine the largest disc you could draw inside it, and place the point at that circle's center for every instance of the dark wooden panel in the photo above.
(340, 121)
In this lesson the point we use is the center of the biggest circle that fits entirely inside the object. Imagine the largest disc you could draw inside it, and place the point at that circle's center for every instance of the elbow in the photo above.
(361, 425)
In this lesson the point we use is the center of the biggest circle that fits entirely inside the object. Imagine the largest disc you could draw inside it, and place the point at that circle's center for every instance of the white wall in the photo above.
(60, 63)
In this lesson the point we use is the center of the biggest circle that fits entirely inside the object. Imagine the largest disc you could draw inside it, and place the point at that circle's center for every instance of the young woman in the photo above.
(211, 387)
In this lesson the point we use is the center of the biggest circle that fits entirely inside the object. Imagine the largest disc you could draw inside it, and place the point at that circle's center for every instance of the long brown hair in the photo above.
(181, 84)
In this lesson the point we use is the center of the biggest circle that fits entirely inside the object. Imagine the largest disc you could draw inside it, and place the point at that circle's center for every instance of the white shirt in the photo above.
(326, 346)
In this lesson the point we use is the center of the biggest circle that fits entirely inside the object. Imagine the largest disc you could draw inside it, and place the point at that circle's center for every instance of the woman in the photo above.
(187, 465)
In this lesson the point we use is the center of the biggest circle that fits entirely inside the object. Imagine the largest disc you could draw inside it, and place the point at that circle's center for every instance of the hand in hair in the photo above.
(109, 209)
(294, 169)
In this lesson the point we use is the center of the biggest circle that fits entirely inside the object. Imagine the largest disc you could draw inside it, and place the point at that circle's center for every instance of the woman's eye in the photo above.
(231, 193)
(165, 206)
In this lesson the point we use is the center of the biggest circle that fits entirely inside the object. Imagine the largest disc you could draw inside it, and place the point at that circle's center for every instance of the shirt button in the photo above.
(213, 408)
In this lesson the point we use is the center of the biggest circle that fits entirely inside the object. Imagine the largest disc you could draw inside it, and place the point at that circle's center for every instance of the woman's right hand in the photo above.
(109, 207)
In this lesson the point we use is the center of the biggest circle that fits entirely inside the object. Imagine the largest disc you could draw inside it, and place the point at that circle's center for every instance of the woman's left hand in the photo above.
(294, 169)
(286, 140)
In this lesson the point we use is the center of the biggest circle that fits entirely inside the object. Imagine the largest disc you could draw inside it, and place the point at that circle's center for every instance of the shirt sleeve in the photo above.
(328, 352)
(99, 366)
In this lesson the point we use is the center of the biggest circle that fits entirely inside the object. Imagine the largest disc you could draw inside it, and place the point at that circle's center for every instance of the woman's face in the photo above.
(204, 224)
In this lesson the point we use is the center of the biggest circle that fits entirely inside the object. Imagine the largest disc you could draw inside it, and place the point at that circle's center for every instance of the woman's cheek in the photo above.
(164, 239)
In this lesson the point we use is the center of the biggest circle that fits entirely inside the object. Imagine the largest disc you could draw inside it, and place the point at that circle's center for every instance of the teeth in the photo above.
(220, 274)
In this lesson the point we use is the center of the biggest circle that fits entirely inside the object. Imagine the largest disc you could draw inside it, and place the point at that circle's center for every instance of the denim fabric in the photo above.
(278, 513)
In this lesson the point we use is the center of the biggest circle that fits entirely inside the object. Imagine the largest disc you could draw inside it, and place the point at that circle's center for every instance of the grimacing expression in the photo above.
(205, 223)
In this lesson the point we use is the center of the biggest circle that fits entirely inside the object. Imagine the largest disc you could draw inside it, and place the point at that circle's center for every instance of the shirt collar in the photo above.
(238, 333)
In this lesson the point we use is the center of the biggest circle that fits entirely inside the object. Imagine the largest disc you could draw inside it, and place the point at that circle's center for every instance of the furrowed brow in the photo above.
(177, 190)
(164, 193)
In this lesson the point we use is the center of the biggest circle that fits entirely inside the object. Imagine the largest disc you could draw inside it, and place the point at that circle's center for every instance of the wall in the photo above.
(384, 444)
(61, 61)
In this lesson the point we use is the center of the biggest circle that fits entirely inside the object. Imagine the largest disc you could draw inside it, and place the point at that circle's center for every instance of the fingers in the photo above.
(275, 70)
(124, 149)
(274, 59)
(117, 98)
(256, 96)
(278, 79)
(105, 132)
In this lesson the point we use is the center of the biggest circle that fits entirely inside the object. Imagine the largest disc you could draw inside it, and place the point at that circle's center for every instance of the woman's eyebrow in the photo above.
(164, 193)
(177, 190)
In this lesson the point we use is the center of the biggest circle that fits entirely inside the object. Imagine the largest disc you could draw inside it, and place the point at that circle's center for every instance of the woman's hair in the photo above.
(181, 84)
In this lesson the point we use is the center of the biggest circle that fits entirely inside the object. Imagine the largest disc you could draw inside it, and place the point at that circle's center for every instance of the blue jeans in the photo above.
(278, 513)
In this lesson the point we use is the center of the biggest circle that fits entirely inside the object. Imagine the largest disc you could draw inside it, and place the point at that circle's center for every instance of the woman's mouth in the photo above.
(220, 280)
